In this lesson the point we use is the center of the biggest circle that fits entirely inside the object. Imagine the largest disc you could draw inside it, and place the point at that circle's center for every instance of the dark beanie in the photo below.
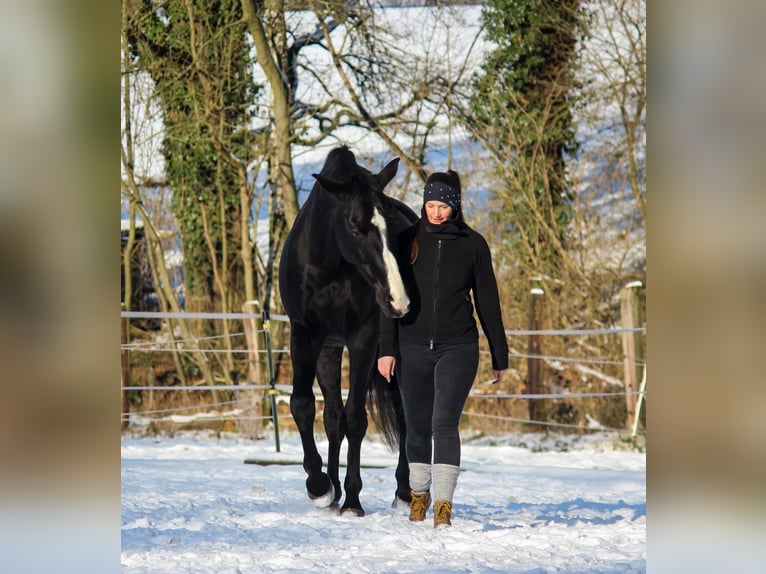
(444, 187)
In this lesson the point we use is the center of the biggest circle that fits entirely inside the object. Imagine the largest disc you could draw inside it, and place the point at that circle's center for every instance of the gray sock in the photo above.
(420, 476)
(445, 480)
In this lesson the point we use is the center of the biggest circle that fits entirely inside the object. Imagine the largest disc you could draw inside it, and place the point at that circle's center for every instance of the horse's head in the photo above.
(366, 228)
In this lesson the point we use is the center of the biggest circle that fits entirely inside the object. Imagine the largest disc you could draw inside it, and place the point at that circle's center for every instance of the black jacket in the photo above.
(453, 262)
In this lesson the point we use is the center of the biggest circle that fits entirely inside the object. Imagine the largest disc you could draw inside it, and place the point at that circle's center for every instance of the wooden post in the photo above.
(632, 346)
(642, 390)
(251, 336)
(534, 350)
(125, 364)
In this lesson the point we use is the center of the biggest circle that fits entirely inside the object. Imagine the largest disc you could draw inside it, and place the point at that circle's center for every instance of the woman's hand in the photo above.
(386, 366)
(498, 375)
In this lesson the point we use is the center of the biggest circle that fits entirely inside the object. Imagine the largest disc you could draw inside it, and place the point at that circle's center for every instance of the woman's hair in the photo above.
(415, 248)
(451, 179)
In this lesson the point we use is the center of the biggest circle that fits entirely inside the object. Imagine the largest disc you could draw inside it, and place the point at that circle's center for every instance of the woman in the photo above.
(437, 342)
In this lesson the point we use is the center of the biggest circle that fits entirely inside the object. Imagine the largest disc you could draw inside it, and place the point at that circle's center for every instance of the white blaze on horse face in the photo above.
(399, 300)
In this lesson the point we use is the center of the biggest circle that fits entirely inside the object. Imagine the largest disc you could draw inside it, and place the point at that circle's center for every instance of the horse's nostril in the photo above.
(400, 310)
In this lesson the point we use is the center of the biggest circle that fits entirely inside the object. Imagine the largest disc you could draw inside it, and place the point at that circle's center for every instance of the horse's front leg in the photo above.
(360, 372)
(304, 352)
(328, 376)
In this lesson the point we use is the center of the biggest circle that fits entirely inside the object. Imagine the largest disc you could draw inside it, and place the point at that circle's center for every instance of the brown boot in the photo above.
(442, 513)
(420, 503)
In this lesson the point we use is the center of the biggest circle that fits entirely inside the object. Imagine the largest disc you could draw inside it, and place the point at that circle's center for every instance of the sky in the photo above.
(524, 504)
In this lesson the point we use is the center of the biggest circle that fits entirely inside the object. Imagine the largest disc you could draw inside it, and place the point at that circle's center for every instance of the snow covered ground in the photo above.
(522, 505)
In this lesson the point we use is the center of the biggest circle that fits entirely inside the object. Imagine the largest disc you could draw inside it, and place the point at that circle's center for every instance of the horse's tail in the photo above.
(385, 406)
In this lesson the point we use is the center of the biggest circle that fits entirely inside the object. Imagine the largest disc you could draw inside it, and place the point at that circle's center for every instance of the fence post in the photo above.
(534, 350)
(251, 336)
(272, 391)
(632, 348)
(642, 391)
(125, 364)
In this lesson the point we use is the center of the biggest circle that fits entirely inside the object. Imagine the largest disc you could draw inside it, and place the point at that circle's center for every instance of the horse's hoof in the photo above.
(352, 511)
(320, 490)
(323, 500)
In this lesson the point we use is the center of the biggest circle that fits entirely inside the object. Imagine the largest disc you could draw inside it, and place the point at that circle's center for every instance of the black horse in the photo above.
(338, 272)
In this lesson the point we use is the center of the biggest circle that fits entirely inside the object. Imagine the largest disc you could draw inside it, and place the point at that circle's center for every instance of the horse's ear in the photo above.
(387, 173)
(329, 184)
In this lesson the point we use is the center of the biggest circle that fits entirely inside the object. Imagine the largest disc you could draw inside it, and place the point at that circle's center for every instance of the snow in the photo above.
(522, 505)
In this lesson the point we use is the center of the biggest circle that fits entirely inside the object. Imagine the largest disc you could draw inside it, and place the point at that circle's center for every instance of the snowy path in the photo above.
(192, 505)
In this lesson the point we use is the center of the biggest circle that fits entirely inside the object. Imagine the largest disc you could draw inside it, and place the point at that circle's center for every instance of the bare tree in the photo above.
(614, 61)
(335, 77)
(369, 81)
(609, 231)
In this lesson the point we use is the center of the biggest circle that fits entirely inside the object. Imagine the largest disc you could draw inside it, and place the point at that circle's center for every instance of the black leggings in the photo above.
(435, 384)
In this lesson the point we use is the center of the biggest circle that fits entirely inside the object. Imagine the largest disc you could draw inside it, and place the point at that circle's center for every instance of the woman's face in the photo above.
(437, 212)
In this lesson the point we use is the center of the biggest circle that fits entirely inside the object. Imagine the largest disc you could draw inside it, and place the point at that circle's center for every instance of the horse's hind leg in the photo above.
(403, 496)
(328, 376)
(304, 353)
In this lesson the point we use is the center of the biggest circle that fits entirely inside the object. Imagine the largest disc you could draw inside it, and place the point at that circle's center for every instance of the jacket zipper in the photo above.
(435, 293)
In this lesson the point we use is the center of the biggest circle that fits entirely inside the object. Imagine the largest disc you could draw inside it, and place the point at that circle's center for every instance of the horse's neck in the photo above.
(319, 235)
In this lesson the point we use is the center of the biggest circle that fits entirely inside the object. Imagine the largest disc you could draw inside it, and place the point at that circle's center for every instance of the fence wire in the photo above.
(147, 346)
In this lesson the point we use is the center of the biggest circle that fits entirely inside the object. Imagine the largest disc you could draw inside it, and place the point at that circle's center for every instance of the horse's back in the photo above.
(406, 214)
